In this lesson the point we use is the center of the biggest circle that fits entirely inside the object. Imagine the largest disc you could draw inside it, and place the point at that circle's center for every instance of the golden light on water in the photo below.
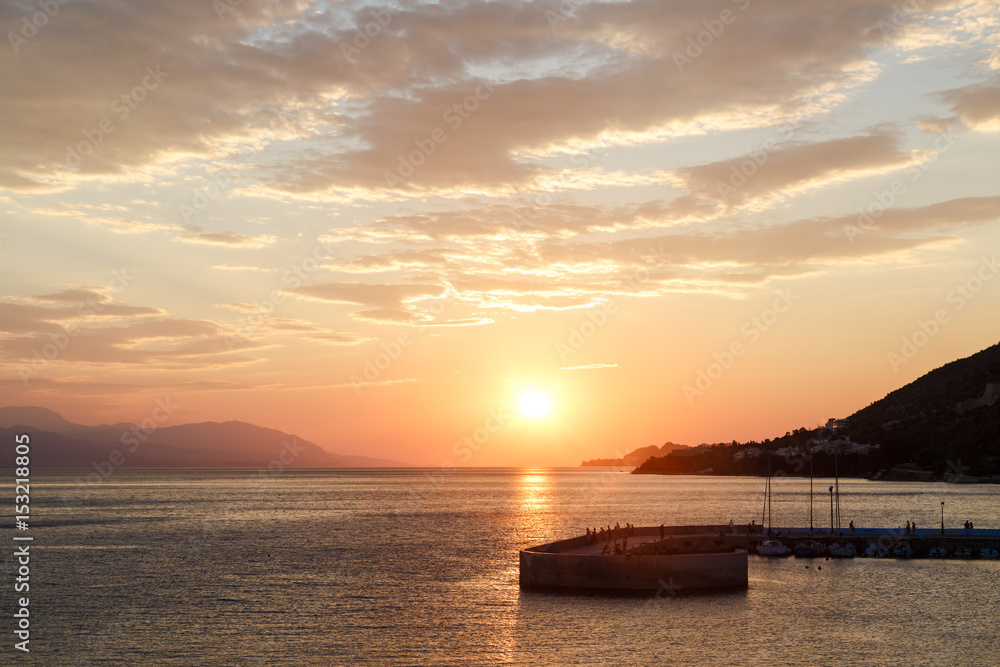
(533, 490)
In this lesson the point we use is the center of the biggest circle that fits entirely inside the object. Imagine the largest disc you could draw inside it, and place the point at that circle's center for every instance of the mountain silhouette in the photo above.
(58, 443)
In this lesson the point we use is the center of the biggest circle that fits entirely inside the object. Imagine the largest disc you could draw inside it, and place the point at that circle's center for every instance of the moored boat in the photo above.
(876, 550)
(809, 549)
(773, 548)
(843, 551)
(902, 550)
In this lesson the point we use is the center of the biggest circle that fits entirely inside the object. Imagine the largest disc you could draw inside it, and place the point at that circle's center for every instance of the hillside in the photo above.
(57, 443)
(947, 421)
(636, 456)
(951, 413)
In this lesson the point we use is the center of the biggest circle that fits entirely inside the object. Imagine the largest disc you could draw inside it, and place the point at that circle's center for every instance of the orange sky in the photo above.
(686, 221)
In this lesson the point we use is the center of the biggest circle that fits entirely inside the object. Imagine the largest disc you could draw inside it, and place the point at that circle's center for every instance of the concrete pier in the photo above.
(673, 560)
(685, 561)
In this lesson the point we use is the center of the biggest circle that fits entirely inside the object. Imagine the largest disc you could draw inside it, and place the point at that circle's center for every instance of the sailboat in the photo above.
(770, 547)
(837, 550)
(810, 548)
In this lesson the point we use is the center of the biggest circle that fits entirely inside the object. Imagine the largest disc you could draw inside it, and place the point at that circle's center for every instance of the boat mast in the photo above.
(770, 494)
(810, 494)
(836, 483)
(765, 516)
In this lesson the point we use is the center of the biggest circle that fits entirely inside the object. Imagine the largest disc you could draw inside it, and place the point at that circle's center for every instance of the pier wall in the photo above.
(633, 574)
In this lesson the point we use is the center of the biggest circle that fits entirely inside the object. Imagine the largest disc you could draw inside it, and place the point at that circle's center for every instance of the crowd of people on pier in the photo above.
(611, 536)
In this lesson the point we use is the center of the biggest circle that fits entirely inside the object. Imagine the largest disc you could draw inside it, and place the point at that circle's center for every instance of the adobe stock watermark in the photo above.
(295, 276)
(213, 527)
(224, 7)
(380, 361)
(30, 26)
(122, 106)
(130, 441)
(464, 449)
(454, 116)
(697, 44)
(958, 297)
(365, 34)
(220, 180)
(740, 175)
(389, 351)
(751, 332)
(598, 316)
(901, 15)
(40, 359)
(884, 199)
(523, 216)
(202, 197)
(565, 11)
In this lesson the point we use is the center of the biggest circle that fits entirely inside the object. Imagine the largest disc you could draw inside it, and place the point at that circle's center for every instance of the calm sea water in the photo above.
(420, 568)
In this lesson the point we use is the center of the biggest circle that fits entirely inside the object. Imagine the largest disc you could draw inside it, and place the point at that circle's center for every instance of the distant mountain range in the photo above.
(636, 456)
(944, 425)
(57, 443)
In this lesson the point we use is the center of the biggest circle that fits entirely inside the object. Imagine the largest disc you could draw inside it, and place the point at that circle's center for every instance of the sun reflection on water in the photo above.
(534, 504)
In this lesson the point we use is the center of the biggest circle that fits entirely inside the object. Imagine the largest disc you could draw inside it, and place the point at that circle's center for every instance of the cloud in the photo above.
(161, 344)
(507, 223)
(634, 81)
(179, 80)
(229, 239)
(51, 313)
(272, 327)
(556, 272)
(241, 267)
(386, 316)
(706, 256)
(978, 106)
(333, 338)
(778, 171)
(395, 261)
(364, 294)
(84, 325)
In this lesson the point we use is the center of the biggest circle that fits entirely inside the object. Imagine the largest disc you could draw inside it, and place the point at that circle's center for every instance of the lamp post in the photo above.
(942, 517)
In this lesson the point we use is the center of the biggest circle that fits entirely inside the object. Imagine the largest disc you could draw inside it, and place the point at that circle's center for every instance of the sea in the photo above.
(419, 567)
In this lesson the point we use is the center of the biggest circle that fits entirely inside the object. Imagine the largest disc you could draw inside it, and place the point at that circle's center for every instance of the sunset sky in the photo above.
(380, 226)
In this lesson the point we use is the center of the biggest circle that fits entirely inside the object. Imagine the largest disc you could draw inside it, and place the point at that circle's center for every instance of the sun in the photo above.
(534, 403)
